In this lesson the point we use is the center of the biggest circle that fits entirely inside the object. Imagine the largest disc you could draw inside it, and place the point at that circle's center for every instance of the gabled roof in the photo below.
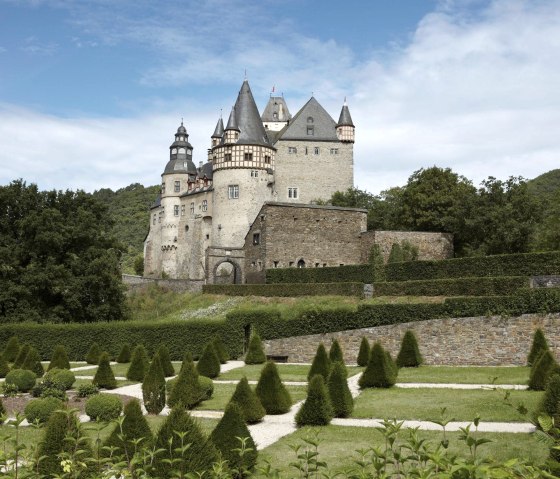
(249, 121)
(312, 115)
(276, 110)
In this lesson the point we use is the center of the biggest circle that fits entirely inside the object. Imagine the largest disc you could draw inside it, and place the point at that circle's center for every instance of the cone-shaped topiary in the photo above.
(226, 437)
(255, 351)
(317, 409)
(339, 392)
(104, 377)
(138, 365)
(20, 358)
(391, 362)
(321, 364)
(396, 255)
(12, 349)
(199, 457)
(33, 362)
(273, 395)
(221, 349)
(363, 354)
(335, 353)
(186, 389)
(539, 344)
(251, 407)
(153, 387)
(133, 426)
(165, 361)
(378, 373)
(59, 358)
(124, 354)
(409, 355)
(550, 402)
(542, 369)
(4, 367)
(93, 355)
(209, 364)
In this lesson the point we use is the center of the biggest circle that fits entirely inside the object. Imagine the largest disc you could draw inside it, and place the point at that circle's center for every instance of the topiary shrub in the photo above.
(273, 395)
(12, 349)
(227, 437)
(550, 402)
(392, 363)
(40, 410)
(335, 353)
(220, 349)
(206, 387)
(87, 390)
(379, 373)
(23, 379)
(209, 364)
(4, 366)
(20, 358)
(64, 377)
(321, 364)
(103, 407)
(124, 354)
(104, 376)
(33, 362)
(538, 345)
(139, 364)
(339, 392)
(165, 361)
(197, 458)
(409, 355)
(59, 358)
(363, 354)
(317, 409)
(186, 388)
(255, 351)
(542, 369)
(134, 426)
(153, 387)
(396, 254)
(93, 355)
(249, 403)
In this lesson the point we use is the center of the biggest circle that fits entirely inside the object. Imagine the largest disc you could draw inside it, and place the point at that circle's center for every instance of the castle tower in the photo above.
(345, 128)
(218, 133)
(276, 114)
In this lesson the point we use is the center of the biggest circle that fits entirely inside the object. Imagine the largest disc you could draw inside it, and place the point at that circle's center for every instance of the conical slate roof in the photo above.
(345, 118)
(232, 122)
(249, 121)
(219, 131)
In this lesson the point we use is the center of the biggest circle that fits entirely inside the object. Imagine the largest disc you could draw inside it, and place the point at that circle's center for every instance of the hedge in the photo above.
(521, 264)
(354, 273)
(484, 286)
(287, 289)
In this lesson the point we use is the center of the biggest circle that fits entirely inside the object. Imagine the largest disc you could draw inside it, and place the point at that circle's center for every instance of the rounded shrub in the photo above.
(249, 403)
(153, 387)
(33, 362)
(59, 358)
(103, 407)
(255, 351)
(23, 379)
(20, 358)
(4, 366)
(40, 410)
(273, 395)
(317, 409)
(538, 345)
(363, 354)
(541, 371)
(64, 377)
(104, 376)
(227, 437)
(92, 356)
(335, 352)
(12, 349)
(138, 365)
(409, 355)
(124, 354)
(339, 392)
(379, 373)
(185, 389)
(87, 390)
(165, 361)
(221, 349)
(209, 364)
(321, 364)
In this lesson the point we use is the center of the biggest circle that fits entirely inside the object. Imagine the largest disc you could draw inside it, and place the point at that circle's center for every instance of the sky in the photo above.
(92, 91)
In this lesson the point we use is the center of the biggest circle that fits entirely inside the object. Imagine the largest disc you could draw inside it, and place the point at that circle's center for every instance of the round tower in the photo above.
(345, 128)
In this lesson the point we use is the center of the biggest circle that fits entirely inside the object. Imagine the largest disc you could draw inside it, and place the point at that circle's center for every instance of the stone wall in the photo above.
(135, 283)
(480, 341)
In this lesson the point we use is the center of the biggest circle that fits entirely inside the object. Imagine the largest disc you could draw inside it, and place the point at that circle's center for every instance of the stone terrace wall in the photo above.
(481, 341)
(135, 283)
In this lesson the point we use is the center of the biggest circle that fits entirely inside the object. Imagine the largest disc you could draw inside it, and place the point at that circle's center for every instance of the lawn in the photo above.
(288, 372)
(426, 404)
(464, 375)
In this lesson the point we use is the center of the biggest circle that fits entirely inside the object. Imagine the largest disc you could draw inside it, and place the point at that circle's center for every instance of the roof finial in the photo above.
(181, 121)
(221, 113)
(345, 104)
(245, 74)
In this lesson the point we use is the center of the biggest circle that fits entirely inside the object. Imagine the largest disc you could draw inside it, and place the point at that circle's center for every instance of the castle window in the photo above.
(306, 150)
(256, 239)
(174, 151)
(292, 192)
(275, 116)
(192, 208)
(207, 237)
(334, 151)
(182, 210)
(163, 188)
(233, 192)
(204, 205)
(301, 264)
(310, 130)
(248, 157)
(182, 151)
(309, 119)
(291, 263)
(254, 173)
(177, 186)
(316, 265)
(154, 220)
(176, 210)
(267, 159)
(316, 150)
(292, 150)
(227, 157)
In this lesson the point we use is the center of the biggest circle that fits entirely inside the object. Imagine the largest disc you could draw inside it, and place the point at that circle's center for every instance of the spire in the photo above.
(232, 122)
(345, 118)
(219, 131)
(250, 125)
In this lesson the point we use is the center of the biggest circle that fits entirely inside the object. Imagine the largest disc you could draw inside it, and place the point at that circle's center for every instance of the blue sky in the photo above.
(91, 92)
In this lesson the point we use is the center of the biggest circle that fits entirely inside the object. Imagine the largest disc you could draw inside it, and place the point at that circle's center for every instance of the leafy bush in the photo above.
(550, 402)
(4, 366)
(379, 372)
(396, 255)
(356, 273)
(251, 407)
(104, 376)
(64, 377)
(40, 410)
(93, 354)
(138, 365)
(377, 264)
(273, 395)
(23, 379)
(339, 392)
(153, 387)
(124, 354)
(209, 364)
(317, 409)
(321, 364)
(20, 358)
(165, 361)
(363, 354)
(59, 358)
(12, 349)
(409, 355)
(87, 390)
(335, 352)
(538, 345)
(103, 407)
(52, 386)
(287, 289)
(186, 388)
(545, 365)
(206, 387)
(392, 364)
(255, 351)
(33, 362)
(221, 349)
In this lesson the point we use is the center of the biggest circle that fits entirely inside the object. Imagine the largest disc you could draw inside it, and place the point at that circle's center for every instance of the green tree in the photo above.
(545, 365)
(165, 361)
(186, 388)
(221, 349)
(363, 353)
(379, 372)
(335, 352)
(153, 387)
(93, 354)
(12, 349)
(139, 265)
(104, 376)
(139, 364)
(20, 358)
(317, 409)
(377, 263)
(396, 254)
(255, 351)
(339, 392)
(124, 354)
(321, 363)
(538, 345)
(33, 362)
(59, 358)
(273, 395)
(251, 407)
(209, 364)
(547, 234)
(409, 355)
(4, 366)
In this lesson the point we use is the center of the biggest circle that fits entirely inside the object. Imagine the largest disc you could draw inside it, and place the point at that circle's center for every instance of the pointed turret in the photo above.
(218, 133)
(252, 131)
(345, 126)
(231, 134)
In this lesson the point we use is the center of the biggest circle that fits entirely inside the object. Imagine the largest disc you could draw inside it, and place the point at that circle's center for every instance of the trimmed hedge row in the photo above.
(484, 286)
(521, 264)
(287, 289)
(354, 273)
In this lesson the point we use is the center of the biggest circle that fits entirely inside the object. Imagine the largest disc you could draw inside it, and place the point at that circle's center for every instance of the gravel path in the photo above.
(490, 387)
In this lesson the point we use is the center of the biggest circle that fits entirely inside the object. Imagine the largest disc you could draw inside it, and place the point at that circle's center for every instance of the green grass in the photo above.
(338, 445)
(426, 404)
(288, 372)
(464, 375)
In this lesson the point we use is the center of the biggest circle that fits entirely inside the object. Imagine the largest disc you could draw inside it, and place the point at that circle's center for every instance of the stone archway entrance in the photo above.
(227, 272)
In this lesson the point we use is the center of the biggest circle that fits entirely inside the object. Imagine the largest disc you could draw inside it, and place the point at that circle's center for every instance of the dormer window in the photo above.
(310, 130)
(309, 119)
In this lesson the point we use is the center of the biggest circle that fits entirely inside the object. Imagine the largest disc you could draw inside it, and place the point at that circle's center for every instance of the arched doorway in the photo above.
(227, 272)
(301, 263)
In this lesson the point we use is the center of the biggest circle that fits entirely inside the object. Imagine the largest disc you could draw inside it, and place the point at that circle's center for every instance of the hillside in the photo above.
(545, 185)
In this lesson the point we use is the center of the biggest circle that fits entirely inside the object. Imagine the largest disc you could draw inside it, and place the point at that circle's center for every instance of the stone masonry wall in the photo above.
(135, 283)
(480, 341)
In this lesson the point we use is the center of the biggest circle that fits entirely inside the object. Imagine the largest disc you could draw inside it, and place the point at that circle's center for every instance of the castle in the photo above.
(208, 223)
